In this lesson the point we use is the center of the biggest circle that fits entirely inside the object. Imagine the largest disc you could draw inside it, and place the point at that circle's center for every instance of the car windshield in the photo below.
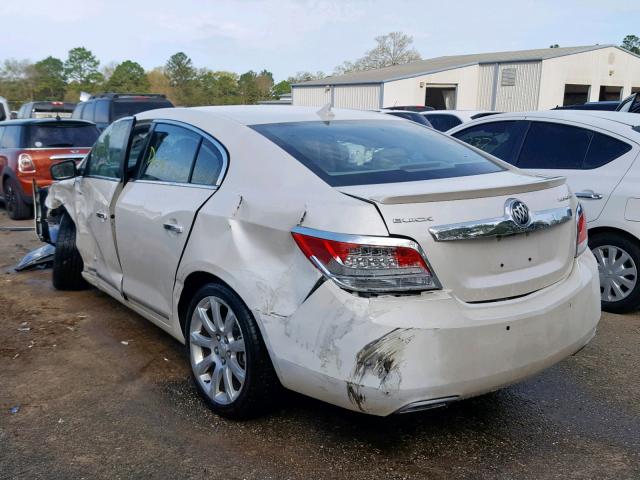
(348, 152)
(127, 108)
(61, 135)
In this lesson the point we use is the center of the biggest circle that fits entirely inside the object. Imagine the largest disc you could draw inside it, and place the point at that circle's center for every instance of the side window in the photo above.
(443, 122)
(77, 112)
(604, 149)
(208, 164)
(501, 139)
(11, 137)
(554, 146)
(170, 154)
(87, 112)
(102, 111)
(109, 150)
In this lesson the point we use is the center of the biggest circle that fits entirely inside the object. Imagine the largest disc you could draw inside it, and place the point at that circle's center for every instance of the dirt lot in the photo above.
(102, 393)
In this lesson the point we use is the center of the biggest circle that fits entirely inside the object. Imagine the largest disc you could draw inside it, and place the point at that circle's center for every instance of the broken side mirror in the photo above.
(64, 170)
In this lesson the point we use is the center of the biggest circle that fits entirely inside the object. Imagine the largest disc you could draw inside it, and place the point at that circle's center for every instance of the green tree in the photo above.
(217, 88)
(281, 88)
(49, 82)
(305, 77)
(128, 76)
(81, 69)
(631, 43)
(181, 74)
(555, 45)
(391, 49)
(16, 81)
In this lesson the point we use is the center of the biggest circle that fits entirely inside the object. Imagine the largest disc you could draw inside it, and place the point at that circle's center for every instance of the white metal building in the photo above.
(504, 81)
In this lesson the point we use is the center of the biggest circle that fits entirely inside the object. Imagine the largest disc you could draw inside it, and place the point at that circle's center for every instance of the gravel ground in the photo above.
(102, 393)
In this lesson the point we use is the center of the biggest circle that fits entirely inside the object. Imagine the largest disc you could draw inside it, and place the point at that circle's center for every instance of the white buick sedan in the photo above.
(351, 256)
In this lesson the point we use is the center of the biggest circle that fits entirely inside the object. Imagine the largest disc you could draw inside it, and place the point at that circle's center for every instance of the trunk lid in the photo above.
(485, 268)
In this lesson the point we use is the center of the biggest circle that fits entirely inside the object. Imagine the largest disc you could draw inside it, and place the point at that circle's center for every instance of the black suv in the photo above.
(106, 108)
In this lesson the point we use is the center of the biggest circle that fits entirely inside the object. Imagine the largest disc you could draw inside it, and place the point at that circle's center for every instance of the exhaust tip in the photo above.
(427, 404)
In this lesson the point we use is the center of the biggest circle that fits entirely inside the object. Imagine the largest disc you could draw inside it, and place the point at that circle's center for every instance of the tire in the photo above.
(216, 356)
(15, 205)
(624, 272)
(67, 262)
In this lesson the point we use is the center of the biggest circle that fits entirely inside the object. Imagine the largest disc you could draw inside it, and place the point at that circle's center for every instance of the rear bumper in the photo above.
(381, 355)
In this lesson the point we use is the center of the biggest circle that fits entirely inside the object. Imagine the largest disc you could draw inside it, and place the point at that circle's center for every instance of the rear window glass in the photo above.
(126, 108)
(375, 151)
(51, 135)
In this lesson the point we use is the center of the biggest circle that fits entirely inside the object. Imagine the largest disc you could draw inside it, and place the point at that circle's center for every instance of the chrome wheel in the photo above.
(9, 197)
(618, 273)
(217, 350)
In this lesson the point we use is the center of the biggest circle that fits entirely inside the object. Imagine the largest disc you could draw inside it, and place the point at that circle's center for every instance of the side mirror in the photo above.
(64, 170)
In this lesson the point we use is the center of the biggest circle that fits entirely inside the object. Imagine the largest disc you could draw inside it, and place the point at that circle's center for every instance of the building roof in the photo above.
(439, 64)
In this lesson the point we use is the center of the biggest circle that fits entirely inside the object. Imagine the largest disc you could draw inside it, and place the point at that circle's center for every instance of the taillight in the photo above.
(582, 238)
(367, 264)
(25, 163)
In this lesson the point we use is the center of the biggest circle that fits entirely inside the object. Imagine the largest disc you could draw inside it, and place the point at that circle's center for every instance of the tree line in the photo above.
(180, 80)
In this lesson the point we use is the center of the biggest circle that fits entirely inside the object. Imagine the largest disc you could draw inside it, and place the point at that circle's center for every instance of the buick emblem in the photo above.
(518, 212)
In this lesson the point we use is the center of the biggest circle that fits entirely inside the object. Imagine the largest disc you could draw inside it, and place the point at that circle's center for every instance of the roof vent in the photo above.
(508, 78)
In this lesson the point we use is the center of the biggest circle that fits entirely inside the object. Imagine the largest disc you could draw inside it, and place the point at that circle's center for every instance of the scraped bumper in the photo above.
(389, 354)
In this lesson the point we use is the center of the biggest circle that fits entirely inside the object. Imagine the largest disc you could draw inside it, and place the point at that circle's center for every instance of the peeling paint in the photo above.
(380, 358)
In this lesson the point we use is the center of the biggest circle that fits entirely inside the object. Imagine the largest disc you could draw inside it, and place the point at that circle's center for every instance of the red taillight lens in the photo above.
(371, 264)
(25, 163)
(582, 238)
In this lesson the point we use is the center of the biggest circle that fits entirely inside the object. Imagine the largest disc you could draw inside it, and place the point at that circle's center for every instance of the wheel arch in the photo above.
(196, 280)
(615, 230)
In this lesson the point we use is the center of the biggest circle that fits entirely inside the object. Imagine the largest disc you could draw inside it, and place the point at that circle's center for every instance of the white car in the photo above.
(597, 151)
(443, 120)
(5, 112)
(351, 256)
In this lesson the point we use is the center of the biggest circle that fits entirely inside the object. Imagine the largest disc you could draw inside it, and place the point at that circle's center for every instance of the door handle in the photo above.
(172, 227)
(589, 195)
(101, 215)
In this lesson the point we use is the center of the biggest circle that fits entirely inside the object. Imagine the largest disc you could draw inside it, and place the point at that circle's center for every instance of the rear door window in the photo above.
(362, 152)
(501, 139)
(170, 155)
(59, 135)
(443, 122)
(554, 146)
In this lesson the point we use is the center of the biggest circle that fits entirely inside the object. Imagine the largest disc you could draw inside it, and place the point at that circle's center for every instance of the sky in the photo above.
(289, 36)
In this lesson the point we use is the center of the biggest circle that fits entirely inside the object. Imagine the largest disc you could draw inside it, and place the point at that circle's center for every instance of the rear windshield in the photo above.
(348, 152)
(127, 108)
(52, 135)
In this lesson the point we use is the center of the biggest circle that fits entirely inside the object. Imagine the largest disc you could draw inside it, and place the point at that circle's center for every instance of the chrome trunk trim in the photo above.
(500, 226)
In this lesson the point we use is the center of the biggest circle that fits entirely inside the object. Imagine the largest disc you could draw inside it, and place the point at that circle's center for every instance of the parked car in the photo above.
(27, 150)
(410, 108)
(631, 104)
(598, 154)
(408, 115)
(106, 108)
(443, 120)
(5, 111)
(610, 105)
(353, 257)
(46, 110)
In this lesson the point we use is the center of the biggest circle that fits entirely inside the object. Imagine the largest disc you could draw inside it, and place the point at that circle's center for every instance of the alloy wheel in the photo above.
(9, 197)
(217, 350)
(618, 273)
